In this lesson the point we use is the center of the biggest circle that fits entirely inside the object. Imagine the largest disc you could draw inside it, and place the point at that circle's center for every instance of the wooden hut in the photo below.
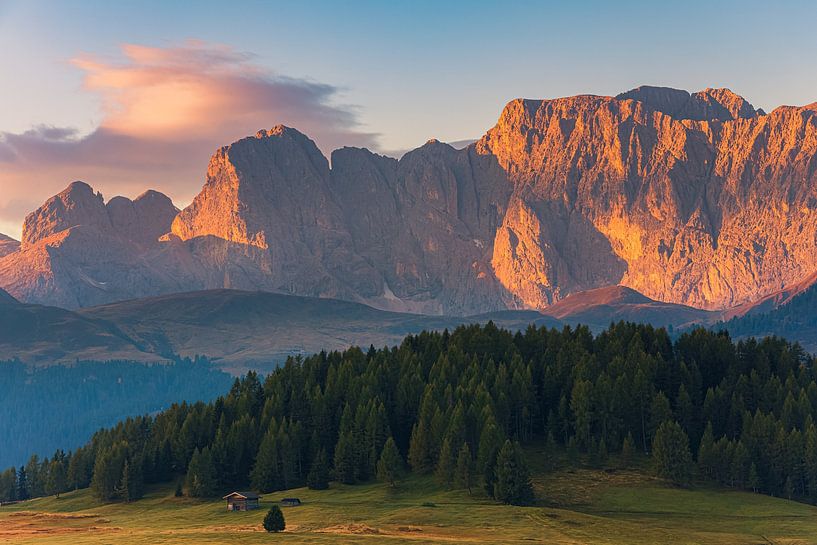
(242, 501)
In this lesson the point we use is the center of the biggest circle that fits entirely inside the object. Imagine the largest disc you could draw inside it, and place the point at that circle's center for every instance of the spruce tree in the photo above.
(581, 403)
(266, 473)
(8, 485)
(446, 464)
(377, 432)
(56, 478)
(22, 484)
(512, 480)
(133, 483)
(390, 465)
(627, 451)
(464, 472)
(601, 453)
(107, 478)
(125, 484)
(660, 412)
(34, 476)
(706, 452)
(810, 460)
(490, 441)
(739, 466)
(345, 459)
(274, 520)
(201, 474)
(419, 455)
(754, 479)
(670, 452)
(318, 477)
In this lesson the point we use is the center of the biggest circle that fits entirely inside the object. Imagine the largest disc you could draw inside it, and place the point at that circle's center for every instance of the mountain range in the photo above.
(699, 201)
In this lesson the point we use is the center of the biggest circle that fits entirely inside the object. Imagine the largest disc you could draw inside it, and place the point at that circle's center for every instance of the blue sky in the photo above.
(403, 71)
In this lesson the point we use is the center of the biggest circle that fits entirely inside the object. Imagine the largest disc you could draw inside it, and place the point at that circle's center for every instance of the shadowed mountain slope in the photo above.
(235, 329)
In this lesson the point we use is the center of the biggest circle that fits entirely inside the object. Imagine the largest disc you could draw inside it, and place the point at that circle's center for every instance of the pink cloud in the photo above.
(166, 110)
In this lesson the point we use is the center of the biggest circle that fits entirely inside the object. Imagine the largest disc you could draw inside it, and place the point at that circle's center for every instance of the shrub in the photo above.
(274, 520)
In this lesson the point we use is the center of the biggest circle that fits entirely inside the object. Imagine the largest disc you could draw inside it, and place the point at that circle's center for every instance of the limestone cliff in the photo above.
(609, 191)
(698, 199)
(77, 251)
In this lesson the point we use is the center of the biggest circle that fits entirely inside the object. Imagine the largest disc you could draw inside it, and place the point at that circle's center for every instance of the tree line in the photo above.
(460, 405)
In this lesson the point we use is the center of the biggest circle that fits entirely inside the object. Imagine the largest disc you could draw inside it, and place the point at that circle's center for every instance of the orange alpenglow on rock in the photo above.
(698, 199)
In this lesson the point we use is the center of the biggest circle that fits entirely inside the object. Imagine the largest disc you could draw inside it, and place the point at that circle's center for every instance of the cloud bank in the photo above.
(165, 111)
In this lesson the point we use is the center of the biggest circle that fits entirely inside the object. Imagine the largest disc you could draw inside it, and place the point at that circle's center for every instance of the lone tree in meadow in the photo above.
(670, 452)
(274, 520)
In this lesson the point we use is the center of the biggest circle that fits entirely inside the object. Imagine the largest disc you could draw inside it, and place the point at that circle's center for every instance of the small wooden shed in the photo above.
(242, 501)
(290, 502)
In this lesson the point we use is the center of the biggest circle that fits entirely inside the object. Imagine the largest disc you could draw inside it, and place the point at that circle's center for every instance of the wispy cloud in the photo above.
(165, 110)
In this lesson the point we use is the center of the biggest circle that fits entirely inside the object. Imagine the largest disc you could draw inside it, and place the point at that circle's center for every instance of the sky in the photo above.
(137, 95)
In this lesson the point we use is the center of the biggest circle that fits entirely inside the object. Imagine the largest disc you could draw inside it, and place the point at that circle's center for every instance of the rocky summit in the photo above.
(691, 198)
(8, 245)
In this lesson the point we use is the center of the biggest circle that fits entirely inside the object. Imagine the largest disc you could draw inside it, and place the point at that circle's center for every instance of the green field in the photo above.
(576, 505)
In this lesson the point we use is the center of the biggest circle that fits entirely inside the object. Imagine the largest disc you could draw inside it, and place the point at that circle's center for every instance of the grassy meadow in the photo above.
(576, 505)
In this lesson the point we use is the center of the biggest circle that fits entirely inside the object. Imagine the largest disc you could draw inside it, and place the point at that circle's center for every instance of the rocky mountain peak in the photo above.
(144, 219)
(74, 206)
(711, 104)
(8, 245)
(281, 131)
(250, 181)
(698, 199)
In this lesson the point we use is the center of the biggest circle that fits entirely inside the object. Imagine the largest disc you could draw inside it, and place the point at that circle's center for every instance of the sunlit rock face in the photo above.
(411, 235)
(706, 212)
(707, 105)
(698, 199)
(79, 251)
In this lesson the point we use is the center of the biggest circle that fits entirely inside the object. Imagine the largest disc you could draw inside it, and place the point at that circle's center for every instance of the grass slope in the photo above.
(578, 505)
(243, 330)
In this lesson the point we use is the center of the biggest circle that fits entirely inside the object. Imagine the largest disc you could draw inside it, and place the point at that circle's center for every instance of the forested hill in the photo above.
(740, 413)
(42, 408)
(794, 319)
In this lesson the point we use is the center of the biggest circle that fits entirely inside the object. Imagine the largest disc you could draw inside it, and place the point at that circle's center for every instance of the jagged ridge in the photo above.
(697, 199)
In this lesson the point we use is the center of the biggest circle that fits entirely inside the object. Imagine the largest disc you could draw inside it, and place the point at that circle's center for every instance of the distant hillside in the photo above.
(64, 405)
(793, 319)
(599, 307)
(242, 328)
(236, 329)
(41, 334)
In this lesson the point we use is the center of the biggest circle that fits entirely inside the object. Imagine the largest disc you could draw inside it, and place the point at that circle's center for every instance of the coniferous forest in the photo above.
(461, 406)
